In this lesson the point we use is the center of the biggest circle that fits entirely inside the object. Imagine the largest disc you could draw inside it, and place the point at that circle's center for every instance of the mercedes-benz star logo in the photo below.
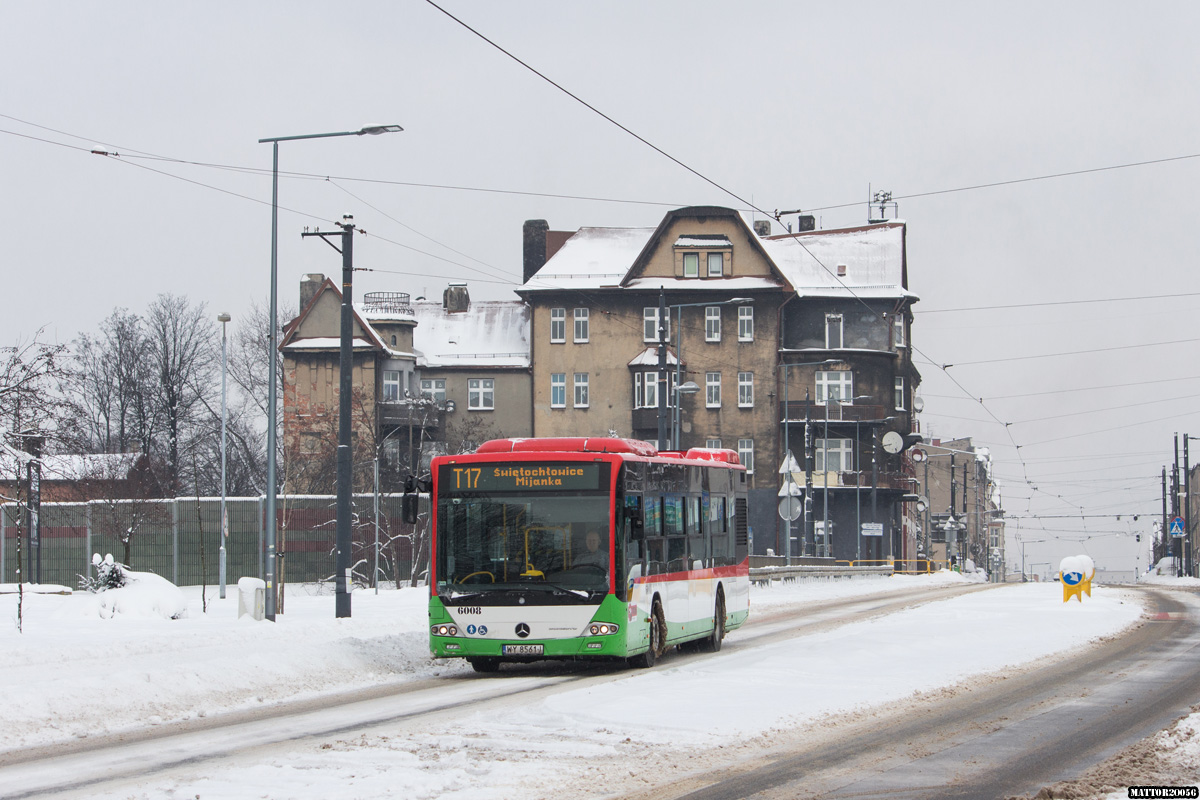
(522, 630)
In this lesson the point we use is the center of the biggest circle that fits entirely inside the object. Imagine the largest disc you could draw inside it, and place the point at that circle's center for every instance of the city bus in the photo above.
(585, 548)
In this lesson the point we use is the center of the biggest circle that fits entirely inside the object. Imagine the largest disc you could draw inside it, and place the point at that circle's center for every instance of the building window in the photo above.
(712, 323)
(834, 455)
(645, 389)
(745, 390)
(558, 325)
(558, 390)
(838, 384)
(434, 389)
(581, 324)
(691, 265)
(393, 340)
(712, 444)
(898, 331)
(391, 386)
(746, 454)
(900, 405)
(650, 325)
(712, 389)
(833, 331)
(581, 390)
(481, 394)
(716, 265)
(745, 323)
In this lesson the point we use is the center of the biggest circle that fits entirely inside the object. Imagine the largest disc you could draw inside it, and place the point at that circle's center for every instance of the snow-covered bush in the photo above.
(121, 591)
(109, 574)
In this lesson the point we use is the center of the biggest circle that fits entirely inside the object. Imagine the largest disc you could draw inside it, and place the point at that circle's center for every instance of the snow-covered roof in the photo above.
(492, 333)
(705, 284)
(649, 358)
(328, 343)
(591, 258)
(703, 241)
(873, 256)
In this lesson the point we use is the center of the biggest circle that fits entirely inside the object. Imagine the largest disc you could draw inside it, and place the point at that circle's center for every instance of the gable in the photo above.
(704, 244)
(319, 325)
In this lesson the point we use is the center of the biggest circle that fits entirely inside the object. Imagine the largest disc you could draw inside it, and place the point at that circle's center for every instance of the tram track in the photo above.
(994, 739)
(74, 765)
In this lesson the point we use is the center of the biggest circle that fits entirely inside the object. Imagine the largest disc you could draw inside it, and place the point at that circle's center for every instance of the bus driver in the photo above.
(594, 555)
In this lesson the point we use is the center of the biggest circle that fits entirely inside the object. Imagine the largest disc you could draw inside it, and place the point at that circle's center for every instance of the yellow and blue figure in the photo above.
(1076, 573)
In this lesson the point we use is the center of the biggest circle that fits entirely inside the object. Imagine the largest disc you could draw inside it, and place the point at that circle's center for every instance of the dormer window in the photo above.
(703, 256)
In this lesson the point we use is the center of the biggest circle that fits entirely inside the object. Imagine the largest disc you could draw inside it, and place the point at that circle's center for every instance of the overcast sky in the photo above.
(785, 104)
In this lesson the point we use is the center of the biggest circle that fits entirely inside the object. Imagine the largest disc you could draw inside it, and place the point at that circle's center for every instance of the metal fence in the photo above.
(180, 539)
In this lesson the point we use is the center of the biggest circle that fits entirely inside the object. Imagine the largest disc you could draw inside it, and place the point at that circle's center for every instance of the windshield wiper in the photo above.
(560, 589)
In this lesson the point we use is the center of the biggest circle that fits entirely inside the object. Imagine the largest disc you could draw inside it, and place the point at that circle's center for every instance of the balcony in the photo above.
(397, 303)
(646, 419)
(405, 413)
(794, 410)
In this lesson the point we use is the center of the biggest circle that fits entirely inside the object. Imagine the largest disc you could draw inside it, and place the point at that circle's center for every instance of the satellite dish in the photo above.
(892, 442)
(918, 404)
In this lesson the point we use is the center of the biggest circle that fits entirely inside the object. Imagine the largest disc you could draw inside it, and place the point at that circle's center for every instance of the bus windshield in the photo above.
(498, 548)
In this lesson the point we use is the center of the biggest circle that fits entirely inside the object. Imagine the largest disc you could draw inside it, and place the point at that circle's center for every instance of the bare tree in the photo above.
(113, 386)
(181, 341)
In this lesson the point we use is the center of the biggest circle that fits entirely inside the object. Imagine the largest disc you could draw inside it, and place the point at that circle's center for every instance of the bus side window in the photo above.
(677, 560)
(656, 556)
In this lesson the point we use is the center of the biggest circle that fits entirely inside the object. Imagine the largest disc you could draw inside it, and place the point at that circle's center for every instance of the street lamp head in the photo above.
(375, 130)
(224, 317)
(691, 387)
(739, 301)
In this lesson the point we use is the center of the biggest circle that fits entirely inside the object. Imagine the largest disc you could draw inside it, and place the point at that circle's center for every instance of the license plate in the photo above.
(522, 649)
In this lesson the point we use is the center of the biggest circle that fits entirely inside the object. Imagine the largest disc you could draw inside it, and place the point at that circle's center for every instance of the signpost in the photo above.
(1176, 527)
(872, 529)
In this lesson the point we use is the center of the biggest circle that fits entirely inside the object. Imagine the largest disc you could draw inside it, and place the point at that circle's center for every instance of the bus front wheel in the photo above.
(485, 664)
(712, 643)
(658, 638)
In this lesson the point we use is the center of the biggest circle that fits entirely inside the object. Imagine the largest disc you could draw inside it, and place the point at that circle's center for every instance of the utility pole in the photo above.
(662, 367)
(1175, 506)
(345, 368)
(1164, 546)
(809, 465)
(1187, 517)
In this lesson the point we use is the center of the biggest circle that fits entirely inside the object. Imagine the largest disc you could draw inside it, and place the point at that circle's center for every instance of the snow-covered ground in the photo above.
(72, 673)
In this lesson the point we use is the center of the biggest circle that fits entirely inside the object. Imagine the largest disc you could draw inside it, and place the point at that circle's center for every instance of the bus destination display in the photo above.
(518, 478)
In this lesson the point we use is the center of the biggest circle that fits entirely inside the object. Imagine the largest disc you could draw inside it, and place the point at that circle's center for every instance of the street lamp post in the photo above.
(273, 343)
(223, 318)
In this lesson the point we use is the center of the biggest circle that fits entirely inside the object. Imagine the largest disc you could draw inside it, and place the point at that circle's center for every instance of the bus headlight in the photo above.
(603, 628)
(444, 630)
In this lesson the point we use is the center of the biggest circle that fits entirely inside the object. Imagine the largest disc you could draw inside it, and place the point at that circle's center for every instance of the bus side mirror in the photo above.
(409, 506)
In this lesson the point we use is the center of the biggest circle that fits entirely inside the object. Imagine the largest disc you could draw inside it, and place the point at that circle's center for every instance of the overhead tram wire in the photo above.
(499, 272)
(703, 177)
(953, 379)
(1010, 306)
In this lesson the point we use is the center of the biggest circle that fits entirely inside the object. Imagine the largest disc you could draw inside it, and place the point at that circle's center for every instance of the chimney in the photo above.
(309, 285)
(762, 227)
(456, 299)
(534, 234)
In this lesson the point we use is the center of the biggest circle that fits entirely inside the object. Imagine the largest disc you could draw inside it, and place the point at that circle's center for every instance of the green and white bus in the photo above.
(585, 548)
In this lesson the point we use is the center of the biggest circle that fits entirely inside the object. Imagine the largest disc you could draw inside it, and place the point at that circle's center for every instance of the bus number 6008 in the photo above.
(470, 610)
